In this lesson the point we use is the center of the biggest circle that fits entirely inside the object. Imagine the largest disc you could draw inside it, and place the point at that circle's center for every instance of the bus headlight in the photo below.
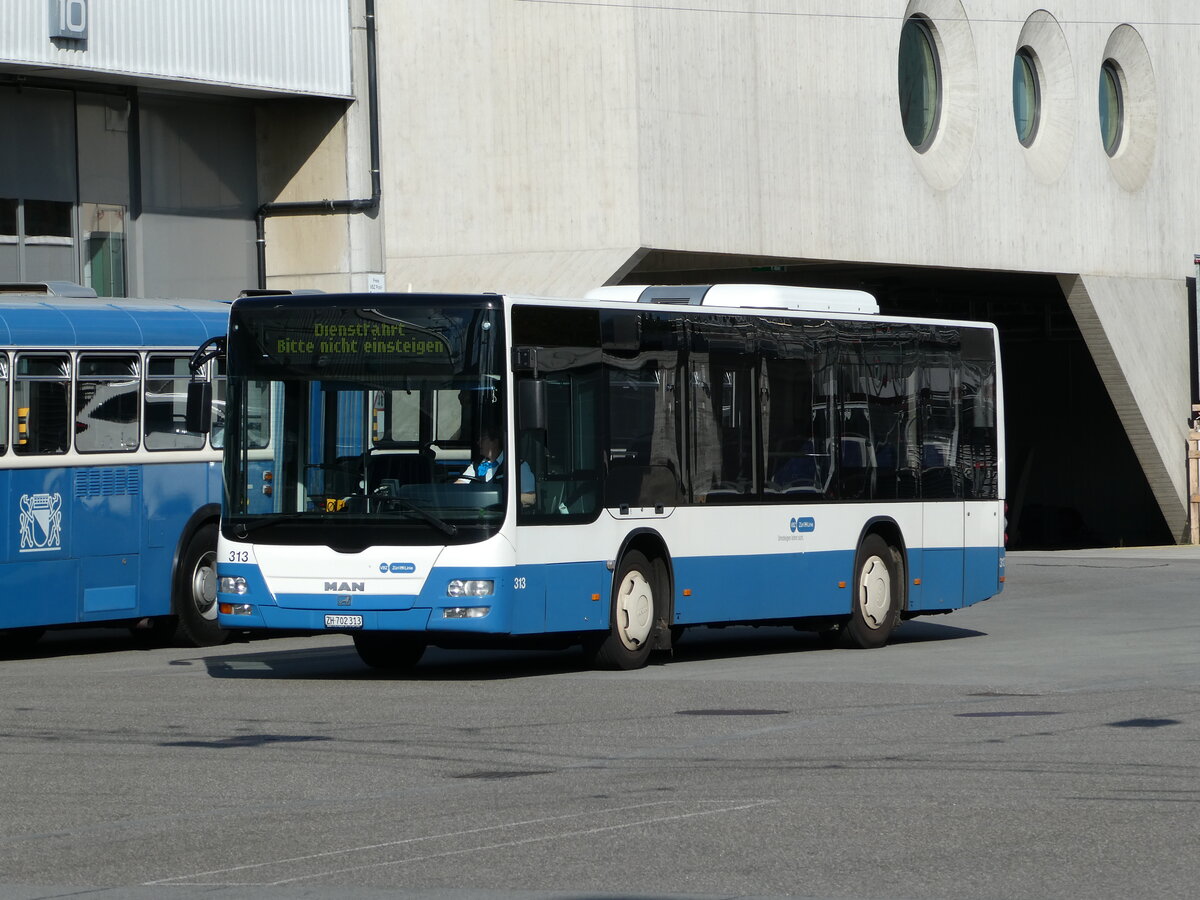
(465, 612)
(233, 584)
(482, 587)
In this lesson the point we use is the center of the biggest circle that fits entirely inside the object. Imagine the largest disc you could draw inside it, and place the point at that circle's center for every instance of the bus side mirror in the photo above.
(531, 404)
(199, 407)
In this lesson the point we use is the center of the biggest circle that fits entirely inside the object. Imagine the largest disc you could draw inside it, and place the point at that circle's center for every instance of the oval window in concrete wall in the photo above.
(936, 53)
(1043, 45)
(1112, 113)
(1128, 107)
(1027, 95)
(919, 82)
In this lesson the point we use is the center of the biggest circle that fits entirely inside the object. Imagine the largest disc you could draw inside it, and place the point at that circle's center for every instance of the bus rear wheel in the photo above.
(878, 594)
(634, 615)
(388, 651)
(195, 599)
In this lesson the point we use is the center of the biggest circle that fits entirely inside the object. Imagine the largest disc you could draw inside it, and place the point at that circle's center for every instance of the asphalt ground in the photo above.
(1041, 744)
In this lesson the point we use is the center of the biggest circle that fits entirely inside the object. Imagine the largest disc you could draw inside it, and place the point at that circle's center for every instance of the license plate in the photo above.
(343, 621)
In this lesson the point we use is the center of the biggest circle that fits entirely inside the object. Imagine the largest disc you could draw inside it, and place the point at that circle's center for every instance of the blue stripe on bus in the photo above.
(572, 597)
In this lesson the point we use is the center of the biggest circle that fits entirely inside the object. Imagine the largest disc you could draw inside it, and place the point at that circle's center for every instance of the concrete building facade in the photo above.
(1025, 163)
(550, 146)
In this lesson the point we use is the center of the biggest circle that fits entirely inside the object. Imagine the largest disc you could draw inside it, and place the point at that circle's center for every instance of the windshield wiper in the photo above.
(242, 529)
(408, 506)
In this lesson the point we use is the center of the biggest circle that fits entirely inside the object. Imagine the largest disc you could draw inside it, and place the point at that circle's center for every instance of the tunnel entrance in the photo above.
(1073, 478)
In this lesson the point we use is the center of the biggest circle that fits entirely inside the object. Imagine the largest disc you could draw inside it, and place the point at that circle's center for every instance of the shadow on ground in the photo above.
(698, 644)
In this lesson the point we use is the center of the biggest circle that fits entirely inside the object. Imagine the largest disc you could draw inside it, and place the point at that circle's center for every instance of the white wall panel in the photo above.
(276, 46)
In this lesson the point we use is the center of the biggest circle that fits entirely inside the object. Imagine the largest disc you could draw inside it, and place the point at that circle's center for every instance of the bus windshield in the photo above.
(365, 422)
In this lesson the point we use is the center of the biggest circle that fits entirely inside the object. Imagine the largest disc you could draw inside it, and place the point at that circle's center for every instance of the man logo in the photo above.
(345, 587)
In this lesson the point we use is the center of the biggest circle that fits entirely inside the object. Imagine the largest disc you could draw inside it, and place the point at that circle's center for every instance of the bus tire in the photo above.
(878, 594)
(633, 615)
(17, 641)
(195, 598)
(388, 651)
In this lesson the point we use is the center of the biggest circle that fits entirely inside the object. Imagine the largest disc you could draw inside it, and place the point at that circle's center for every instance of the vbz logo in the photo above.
(69, 19)
(802, 524)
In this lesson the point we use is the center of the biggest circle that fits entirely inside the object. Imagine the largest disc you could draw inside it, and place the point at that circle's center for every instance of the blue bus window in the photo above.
(166, 404)
(217, 430)
(107, 390)
(41, 393)
(3, 402)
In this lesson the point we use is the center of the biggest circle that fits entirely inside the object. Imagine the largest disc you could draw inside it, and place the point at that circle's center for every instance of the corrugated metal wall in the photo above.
(288, 46)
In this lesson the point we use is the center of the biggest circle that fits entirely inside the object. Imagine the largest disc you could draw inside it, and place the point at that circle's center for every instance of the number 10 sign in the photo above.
(69, 19)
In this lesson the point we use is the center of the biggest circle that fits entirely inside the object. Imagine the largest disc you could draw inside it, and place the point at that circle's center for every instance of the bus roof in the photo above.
(42, 320)
(752, 296)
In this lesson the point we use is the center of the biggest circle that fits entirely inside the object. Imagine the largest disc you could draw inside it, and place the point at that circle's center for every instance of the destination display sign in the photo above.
(350, 342)
(361, 338)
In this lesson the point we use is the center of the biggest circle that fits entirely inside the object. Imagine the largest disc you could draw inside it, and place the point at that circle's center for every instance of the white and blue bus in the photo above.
(678, 457)
(112, 506)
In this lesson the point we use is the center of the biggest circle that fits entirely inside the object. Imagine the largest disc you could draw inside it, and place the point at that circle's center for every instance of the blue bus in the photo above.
(678, 457)
(113, 506)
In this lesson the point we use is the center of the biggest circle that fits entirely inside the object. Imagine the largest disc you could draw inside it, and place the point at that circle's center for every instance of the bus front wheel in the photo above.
(390, 652)
(878, 594)
(16, 641)
(633, 616)
(195, 599)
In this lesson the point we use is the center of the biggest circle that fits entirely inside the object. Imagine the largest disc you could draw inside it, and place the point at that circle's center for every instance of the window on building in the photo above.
(1027, 95)
(1112, 106)
(10, 241)
(103, 243)
(919, 82)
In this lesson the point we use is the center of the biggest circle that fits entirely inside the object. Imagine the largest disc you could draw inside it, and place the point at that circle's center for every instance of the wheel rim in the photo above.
(635, 610)
(204, 585)
(875, 591)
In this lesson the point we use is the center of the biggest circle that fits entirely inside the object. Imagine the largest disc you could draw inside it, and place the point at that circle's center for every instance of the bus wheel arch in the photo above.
(879, 586)
(194, 587)
(640, 607)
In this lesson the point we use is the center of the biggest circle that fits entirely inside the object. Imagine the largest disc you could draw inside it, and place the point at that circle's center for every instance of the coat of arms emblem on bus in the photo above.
(41, 522)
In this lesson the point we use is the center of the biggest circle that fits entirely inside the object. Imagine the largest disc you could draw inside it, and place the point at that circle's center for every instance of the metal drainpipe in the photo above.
(329, 207)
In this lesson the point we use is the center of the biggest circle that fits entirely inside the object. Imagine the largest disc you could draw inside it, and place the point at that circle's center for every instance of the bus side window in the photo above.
(166, 404)
(3, 402)
(41, 404)
(107, 390)
(216, 432)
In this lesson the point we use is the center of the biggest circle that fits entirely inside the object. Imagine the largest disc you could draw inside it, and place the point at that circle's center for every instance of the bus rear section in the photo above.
(113, 506)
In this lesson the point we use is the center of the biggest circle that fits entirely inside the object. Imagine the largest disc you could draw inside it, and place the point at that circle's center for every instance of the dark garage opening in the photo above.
(1073, 478)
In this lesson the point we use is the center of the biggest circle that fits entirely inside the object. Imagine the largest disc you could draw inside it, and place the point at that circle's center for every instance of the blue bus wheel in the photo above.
(16, 641)
(195, 600)
(388, 651)
(878, 594)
